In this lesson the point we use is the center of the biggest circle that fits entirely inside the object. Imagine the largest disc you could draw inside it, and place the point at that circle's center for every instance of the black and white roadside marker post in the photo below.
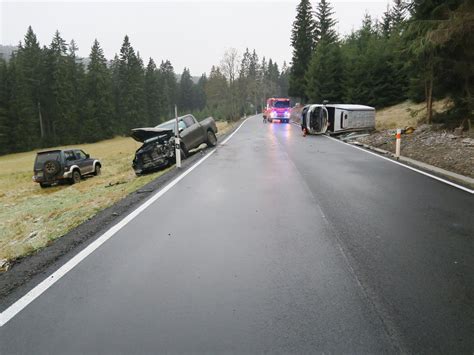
(176, 139)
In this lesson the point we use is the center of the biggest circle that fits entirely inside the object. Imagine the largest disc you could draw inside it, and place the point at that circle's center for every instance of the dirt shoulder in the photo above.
(432, 145)
(26, 272)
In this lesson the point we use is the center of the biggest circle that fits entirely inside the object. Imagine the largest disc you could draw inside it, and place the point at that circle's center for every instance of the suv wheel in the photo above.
(97, 170)
(76, 177)
(44, 185)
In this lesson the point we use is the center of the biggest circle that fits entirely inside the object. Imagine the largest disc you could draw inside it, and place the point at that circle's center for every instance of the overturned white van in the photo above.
(337, 118)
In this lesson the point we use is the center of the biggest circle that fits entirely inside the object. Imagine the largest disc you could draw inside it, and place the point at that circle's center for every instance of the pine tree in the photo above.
(245, 64)
(324, 76)
(115, 78)
(398, 14)
(424, 58)
(263, 84)
(283, 80)
(153, 92)
(302, 41)
(439, 35)
(168, 78)
(26, 94)
(60, 110)
(77, 75)
(455, 44)
(99, 113)
(4, 105)
(137, 79)
(387, 23)
(243, 83)
(200, 93)
(323, 79)
(131, 88)
(358, 65)
(325, 23)
(253, 80)
(185, 92)
(253, 66)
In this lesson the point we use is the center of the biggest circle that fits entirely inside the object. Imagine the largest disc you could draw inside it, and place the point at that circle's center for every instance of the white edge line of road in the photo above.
(24, 301)
(407, 166)
(398, 163)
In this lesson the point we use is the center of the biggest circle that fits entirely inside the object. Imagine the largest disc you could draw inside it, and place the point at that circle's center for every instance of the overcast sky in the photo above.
(190, 33)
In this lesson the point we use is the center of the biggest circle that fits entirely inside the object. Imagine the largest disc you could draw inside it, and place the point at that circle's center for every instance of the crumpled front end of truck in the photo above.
(157, 151)
(153, 156)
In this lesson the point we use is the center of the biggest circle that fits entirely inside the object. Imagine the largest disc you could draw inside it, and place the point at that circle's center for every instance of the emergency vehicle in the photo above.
(277, 109)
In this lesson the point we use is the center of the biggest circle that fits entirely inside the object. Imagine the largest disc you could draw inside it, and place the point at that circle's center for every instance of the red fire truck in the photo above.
(278, 109)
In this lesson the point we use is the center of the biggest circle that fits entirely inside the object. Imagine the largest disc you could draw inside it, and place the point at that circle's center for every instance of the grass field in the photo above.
(406, 114)
(31, 217)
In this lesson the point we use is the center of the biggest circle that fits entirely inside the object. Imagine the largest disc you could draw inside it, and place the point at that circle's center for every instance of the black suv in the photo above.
(54, 166)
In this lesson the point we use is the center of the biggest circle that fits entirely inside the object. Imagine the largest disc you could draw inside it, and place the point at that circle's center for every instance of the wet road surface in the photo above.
(276, 243)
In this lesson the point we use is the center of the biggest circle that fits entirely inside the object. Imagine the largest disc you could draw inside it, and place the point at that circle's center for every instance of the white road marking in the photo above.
(24, 301)
(401, 164)
(406, 166)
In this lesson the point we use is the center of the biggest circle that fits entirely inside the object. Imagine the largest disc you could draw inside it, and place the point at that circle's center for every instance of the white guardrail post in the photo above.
(398, 138)
(176, 140)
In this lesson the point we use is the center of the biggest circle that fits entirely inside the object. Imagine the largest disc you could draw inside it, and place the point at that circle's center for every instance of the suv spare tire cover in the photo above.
(51, 167)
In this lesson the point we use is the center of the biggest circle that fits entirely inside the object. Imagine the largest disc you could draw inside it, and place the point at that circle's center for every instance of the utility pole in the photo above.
(176, 140)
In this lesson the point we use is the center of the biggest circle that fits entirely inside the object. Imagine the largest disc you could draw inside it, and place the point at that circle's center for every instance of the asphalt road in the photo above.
(276, 243)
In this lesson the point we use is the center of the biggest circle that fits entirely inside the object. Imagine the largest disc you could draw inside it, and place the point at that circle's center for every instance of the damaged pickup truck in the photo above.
(158, 149)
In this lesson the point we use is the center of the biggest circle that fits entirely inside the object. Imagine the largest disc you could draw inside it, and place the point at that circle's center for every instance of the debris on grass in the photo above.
(110, 184)
(144, 191)
(4, 265)
(32, 235)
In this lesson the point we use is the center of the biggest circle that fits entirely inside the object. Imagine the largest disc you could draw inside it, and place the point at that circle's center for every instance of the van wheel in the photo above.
(76, 177)
(211, 139)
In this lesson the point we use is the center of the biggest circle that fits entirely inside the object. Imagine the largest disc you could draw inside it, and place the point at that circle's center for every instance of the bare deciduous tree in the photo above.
(230, 64)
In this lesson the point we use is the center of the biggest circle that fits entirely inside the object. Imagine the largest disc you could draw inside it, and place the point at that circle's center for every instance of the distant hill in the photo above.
(195, 79)
(6, 51)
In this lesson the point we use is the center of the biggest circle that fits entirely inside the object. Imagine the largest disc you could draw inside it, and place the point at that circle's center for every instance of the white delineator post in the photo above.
(176, 140)
(398, 138)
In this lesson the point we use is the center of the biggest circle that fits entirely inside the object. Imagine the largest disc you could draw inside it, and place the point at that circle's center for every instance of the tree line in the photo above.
(49, 97)
(420, 50)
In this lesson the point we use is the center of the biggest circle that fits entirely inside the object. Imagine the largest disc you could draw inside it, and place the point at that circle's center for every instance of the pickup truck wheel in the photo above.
(184, 151)
(183, 156)
(211, 139)
(97, 170)
(76, 177)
